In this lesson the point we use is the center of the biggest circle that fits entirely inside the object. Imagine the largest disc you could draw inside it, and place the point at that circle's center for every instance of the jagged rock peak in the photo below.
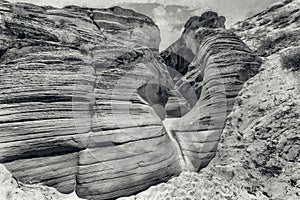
(208, 19)
(273, 29)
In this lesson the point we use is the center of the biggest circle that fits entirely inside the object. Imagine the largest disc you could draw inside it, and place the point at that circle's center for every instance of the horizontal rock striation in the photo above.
(82, 97)
(211, 81)
(258, 154)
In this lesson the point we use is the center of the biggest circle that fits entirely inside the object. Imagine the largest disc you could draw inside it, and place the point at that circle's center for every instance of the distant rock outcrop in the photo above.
(214, 63)
(208, 19)
(273, 29)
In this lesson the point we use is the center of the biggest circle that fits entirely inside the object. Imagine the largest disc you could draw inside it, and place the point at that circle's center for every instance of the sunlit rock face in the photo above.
(11, 188)
(82, 100)
(272, 29)
(211, 79)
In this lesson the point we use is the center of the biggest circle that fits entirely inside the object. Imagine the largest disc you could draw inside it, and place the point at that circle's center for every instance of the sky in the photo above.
(171, 15)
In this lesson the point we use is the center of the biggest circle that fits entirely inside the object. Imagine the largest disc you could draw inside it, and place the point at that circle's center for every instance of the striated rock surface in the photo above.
(214, 70)
(80, 99)
(85, 99)
(258, 154)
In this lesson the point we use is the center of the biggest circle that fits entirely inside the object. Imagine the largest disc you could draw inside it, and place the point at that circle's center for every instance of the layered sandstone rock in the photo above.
(258, 154)
(211, 81)
(12, 189)
(73, 112)
(84, 92)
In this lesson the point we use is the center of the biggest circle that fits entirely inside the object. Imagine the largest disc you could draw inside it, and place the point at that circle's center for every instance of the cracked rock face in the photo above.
(273, 29)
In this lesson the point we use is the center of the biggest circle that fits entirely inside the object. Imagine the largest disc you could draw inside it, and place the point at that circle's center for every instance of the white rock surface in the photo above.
(11, 189)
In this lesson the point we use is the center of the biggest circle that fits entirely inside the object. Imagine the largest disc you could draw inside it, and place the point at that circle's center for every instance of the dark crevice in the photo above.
(127, 127)
(130, 141)
(36, 111)
(2, 52)
(55, 150)
(178, 61)
(154, 94)
(271, 171)
(91, 16)
(31, 120)
(41, 99)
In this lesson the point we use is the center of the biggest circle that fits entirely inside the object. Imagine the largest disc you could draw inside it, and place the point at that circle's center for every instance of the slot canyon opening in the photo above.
(157, 96)
(178, 61)
(179, 64)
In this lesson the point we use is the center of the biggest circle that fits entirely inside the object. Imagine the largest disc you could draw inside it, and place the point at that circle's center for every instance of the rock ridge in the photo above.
(214, 70)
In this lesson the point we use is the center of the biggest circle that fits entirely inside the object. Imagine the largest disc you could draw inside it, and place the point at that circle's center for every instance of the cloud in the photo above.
(159, 11)
(167, 31)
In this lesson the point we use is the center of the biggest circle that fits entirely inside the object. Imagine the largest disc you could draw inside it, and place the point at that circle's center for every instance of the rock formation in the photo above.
(273, 29)
(11, 189)
(214, 70)
(84, 93)
(258, 154)
(73, 112)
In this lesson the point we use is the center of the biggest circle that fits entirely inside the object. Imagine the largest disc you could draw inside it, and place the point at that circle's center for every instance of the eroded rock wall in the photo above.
(84, 93)
(258, 154)
(273, 29)
(210, 83)
(72, 115)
